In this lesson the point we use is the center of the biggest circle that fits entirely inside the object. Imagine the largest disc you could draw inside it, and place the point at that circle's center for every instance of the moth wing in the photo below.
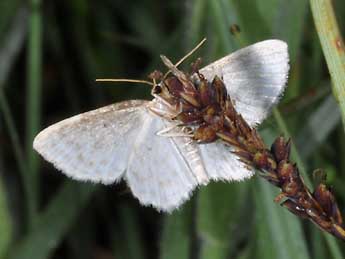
(221, 164)
(255, 77)
(161, 170)
(93, 146)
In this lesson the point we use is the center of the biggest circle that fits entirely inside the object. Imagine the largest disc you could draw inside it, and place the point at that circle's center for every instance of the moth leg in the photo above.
(162, 108)
(175, 131)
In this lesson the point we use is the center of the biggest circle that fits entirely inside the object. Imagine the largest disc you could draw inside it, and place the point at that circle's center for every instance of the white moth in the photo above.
(120, 141)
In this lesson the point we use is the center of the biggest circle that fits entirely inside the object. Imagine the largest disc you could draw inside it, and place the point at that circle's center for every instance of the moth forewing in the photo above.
(93, 146)
(255, 77)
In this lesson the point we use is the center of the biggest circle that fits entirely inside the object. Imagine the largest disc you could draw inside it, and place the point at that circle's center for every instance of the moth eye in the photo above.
(157, 89)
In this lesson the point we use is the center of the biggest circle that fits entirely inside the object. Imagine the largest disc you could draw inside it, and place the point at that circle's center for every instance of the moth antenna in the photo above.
(185, 57)
(191, 52)
(171, 66)
(165, 60)
(154, 82)
(125, 80)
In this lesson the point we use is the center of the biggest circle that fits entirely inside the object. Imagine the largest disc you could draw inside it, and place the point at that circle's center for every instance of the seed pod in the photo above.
(326, 199)
(205, 134)
(319, 219)
(191, 98)
(174, 86)
(221, 93)
(207, 93)
(215, 121)
(244, 156)
(272, 163)
(281, 149)
(228, 137)
(285, 170)
(243, 127)
(230, 111)
(291, 187)
(295, 208)
(261, 160)
(189, 117)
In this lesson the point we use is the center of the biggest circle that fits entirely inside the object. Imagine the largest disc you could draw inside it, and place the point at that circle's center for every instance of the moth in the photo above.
(143, 142)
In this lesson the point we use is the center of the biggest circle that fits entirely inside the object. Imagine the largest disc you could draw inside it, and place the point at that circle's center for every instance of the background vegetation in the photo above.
(50, 54)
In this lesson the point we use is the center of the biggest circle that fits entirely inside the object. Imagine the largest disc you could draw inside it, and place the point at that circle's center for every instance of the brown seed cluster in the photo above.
(208, 109)
(319, 206)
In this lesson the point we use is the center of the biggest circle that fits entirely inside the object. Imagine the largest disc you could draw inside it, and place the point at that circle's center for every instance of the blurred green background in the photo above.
(50, 54)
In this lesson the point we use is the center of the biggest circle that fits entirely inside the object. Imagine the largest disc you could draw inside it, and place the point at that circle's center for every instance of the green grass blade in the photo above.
(219, 208)
(333, 47)
(9, 51)
(6, 222)
(54, 222)
(227, 43)
(8, 11)
(333, 247)
(288, 24)
(127, 241)
(18, 152)
(325, 118)
(176, 239)
(254, 26)
(318, 246)
(195, 20)
(34, 74)
(280, 234)
(12, 44)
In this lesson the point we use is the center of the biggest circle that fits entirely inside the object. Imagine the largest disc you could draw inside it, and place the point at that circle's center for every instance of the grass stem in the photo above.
(34, 75)
(332, 46)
